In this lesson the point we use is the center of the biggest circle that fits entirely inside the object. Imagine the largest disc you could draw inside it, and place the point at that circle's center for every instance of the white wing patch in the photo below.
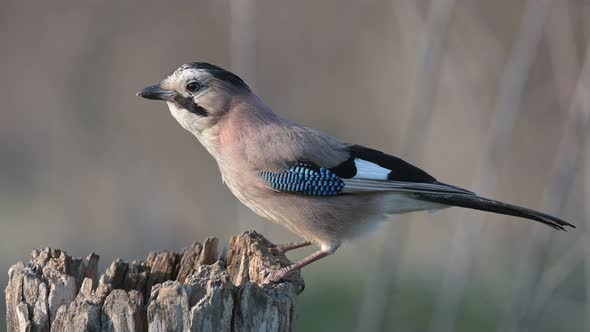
(368, 170)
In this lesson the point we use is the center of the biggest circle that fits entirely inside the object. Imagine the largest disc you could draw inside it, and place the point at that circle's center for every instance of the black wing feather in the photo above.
(403, 176)
(400, 169)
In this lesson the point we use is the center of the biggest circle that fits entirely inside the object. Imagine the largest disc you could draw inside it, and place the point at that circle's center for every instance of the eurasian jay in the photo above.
(317, 186)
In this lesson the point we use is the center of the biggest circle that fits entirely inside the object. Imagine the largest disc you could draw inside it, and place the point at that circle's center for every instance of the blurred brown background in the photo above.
(487, 95)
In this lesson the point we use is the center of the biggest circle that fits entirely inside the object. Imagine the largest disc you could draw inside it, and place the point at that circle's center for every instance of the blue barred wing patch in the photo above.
(305, 179)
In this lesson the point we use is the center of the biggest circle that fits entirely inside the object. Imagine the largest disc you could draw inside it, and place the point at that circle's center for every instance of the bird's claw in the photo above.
(272, 274)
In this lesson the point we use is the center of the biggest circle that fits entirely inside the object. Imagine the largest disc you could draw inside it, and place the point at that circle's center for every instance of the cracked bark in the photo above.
(192, 290)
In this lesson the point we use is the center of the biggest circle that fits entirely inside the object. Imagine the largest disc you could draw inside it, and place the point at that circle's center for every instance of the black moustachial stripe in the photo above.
(189, 105)
(400, 170)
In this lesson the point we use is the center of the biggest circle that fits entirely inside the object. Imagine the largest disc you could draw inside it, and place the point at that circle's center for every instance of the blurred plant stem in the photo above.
(377, 295)
(243, 61)
(508, 102)
(536, 250)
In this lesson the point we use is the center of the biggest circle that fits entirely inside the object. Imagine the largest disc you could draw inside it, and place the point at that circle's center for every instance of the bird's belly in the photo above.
(326, 221)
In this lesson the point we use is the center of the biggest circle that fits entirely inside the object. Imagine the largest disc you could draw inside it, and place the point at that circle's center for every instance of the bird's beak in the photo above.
(156, 92)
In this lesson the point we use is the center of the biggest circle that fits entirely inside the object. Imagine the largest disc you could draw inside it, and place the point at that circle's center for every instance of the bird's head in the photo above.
(198, 94)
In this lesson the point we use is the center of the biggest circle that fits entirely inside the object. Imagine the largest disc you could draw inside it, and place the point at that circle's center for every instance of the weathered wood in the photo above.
(194, 290)
(123, 311)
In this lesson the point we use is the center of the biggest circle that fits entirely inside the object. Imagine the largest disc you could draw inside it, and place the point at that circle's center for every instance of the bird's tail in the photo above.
(472, 201)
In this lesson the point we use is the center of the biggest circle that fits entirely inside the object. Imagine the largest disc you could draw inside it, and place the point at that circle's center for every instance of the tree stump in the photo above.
(193, 290)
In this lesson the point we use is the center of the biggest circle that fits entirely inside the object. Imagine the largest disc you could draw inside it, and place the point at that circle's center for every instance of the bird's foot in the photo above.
(283, 248)
(275, 275)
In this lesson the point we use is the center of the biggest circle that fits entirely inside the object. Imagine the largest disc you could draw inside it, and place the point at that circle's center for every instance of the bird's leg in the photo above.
(278, 274)
(283, 248)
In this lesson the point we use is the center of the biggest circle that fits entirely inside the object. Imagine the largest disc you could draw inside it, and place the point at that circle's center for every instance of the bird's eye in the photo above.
(193, 87)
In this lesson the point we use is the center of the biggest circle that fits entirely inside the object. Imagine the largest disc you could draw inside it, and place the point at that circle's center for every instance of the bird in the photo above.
(321, 188)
